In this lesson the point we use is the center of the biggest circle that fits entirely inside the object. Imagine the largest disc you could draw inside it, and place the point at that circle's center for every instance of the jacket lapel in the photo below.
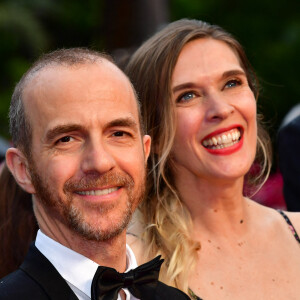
(39, 268)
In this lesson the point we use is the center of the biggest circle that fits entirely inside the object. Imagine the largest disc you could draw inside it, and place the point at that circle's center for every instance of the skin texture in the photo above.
(247, 250)
(86, 137)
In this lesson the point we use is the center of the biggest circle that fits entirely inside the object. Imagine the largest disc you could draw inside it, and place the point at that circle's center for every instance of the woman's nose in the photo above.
(218, 107)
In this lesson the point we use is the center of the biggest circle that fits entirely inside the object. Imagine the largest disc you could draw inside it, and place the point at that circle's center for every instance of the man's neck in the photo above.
(110, 252)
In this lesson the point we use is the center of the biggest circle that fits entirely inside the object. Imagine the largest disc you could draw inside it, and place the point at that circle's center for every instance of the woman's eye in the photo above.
(186, 97)
(232, 83)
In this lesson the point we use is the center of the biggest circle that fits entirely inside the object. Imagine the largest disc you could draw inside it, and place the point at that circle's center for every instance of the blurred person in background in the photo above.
(288, 141)
(18, 226)
(4, 145)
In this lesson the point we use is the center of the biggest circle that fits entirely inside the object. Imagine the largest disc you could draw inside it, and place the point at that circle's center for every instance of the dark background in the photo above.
(268, 30)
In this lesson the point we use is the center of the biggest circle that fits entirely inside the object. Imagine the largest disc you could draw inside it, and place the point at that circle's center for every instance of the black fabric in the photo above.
(37, 279)
(141, 282)
(289, 163)
(166, 292)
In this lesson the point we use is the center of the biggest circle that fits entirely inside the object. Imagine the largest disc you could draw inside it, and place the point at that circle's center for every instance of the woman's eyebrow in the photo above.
(186, 85)
(237, 72)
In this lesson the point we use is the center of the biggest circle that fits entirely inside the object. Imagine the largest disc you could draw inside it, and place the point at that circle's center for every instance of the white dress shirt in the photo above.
(76, 269)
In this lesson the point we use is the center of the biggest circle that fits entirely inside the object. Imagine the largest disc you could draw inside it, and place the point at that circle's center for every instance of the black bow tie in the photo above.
(141, 282)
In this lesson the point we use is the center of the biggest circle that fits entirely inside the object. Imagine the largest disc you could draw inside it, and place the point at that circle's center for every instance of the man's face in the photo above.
(88, 156)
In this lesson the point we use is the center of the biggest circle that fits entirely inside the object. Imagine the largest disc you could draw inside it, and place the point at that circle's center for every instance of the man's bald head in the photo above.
(20, 127)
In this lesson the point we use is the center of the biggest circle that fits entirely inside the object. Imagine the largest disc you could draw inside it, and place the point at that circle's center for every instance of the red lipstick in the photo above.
(214, 149)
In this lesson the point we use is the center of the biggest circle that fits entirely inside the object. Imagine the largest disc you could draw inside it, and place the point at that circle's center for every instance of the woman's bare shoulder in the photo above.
(272, 216)
(294, 217)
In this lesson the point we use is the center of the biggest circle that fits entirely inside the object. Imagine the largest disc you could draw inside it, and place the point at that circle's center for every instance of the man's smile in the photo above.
(98, 192)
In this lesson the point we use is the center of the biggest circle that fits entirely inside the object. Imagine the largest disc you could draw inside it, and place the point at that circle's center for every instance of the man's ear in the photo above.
(18, 166)
(147, 146)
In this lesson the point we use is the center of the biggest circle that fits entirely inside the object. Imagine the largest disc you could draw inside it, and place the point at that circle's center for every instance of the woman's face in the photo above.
(216, 113)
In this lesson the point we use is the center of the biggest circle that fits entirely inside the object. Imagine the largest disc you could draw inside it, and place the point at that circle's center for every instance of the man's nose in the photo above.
(218, 107)
(97, 158)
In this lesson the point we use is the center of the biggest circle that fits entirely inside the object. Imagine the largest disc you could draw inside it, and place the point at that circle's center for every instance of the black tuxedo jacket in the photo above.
(37, 279)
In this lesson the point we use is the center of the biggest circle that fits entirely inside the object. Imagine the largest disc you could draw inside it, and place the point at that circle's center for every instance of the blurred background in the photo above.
(268, 30)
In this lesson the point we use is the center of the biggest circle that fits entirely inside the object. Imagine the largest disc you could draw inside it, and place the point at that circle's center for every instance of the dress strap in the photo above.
(291, 226)
(193, 295)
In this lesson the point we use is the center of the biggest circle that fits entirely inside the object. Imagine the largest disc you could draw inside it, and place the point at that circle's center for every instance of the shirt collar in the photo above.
(72, 266)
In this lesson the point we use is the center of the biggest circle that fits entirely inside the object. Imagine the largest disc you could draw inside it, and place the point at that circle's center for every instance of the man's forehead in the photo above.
(103, 67)
(101, 74)
(101, 83)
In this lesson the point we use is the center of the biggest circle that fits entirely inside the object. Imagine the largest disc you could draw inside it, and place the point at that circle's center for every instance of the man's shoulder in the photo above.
(164, 291)
(36, 279)
(18, 285)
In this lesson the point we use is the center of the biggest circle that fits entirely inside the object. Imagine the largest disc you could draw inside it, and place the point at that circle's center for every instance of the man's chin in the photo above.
(89, 232)
(98, 226)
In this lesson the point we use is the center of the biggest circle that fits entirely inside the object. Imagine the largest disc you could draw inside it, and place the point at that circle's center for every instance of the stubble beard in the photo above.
(67, 212)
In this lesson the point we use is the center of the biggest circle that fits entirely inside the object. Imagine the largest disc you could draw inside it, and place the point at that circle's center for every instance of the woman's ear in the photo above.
(18, 166)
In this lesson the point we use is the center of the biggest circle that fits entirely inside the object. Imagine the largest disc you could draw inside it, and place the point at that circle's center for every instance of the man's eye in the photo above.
(232, 83)
(186, 97)
(119, 133)
(65, 139)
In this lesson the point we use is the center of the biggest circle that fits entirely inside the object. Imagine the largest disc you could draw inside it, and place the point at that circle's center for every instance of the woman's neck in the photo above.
(216, 206)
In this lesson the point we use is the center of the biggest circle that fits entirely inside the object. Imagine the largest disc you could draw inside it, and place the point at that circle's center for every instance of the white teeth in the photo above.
(233, 136)
(224, 138)
(222, 141)
(98, 192)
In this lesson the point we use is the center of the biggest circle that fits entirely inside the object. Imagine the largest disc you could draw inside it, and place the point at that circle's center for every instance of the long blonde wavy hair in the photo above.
(165, 219)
